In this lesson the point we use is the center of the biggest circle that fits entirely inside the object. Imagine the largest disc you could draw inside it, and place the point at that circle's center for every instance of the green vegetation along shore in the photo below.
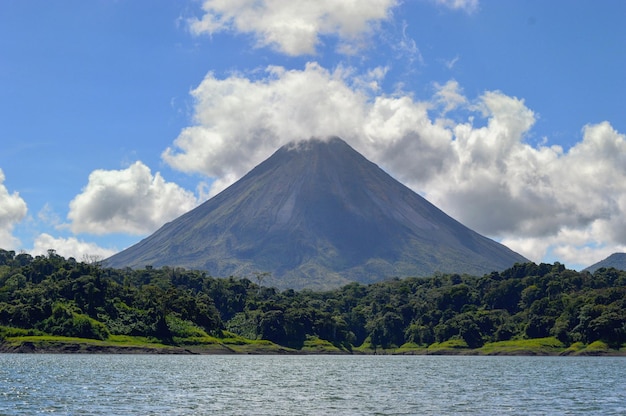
(52, 304)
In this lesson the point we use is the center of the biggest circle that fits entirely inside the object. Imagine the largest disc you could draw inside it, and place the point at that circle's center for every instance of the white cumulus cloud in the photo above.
(468, 6)
(70, 247)
(12, 211)
(481, 170)
(449, 95)
(131, 201)
(295, 27)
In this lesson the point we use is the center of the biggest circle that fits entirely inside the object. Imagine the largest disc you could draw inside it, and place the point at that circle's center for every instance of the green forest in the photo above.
(51, 299)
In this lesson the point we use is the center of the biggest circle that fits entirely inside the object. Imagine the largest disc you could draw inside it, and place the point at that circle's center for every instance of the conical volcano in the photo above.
(317, 214)
(615, 260)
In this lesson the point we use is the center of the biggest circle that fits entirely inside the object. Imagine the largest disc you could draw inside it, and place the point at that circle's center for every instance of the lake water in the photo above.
(310, 385)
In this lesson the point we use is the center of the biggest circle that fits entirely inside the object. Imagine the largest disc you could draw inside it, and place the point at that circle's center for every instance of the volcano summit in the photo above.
(317, 214)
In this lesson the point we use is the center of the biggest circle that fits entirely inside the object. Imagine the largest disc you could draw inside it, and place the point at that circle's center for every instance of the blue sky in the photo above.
(118, 116)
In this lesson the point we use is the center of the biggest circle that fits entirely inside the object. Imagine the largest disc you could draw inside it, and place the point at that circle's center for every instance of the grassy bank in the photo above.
(525, 347)
(117, 344)
(233, 344)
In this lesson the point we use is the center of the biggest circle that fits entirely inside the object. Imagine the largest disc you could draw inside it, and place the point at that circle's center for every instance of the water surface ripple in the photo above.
(310, 385)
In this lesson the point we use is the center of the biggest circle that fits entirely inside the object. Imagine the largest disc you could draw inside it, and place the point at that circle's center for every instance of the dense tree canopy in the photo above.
(58, 296)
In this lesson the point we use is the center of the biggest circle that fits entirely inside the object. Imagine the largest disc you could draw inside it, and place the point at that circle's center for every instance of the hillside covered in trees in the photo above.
(53, 296)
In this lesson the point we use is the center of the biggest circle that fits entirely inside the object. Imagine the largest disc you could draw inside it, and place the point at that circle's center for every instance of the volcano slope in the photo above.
(317, 214)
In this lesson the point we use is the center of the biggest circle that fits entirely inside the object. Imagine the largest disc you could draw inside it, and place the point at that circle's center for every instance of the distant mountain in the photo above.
(317, 214)
(615, 260)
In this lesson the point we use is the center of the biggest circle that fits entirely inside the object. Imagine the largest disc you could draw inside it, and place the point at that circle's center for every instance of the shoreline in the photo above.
(74, 347)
